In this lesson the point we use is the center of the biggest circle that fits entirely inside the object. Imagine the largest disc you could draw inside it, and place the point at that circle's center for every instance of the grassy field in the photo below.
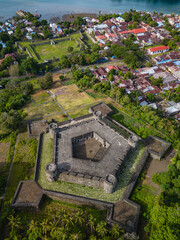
(4, 151)
(23, 163)
(38, 112)
(81, 190)
(70, 97)
(57, 117)
(78, 112)
(41, 97)
(48, 51)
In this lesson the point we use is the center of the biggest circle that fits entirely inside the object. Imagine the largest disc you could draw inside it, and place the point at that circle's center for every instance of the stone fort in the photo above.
(89, 151)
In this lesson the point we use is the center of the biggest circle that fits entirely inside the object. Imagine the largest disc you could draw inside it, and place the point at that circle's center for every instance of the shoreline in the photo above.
(68, 15)
(73, 16)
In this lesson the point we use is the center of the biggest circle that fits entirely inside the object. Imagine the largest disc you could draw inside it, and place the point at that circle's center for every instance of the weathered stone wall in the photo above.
(135, 175)
(100, 139)
(38, 156)
(83, 201)
(83, 117)
(121, 126)
(158, 155)
(28, 52)
(82, 179)
(45, 43)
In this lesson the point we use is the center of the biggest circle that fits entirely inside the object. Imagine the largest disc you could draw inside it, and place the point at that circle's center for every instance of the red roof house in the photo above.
(157, 50)
(111, 67)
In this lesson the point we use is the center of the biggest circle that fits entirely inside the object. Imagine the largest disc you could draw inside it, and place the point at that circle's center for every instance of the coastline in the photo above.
(73, 16)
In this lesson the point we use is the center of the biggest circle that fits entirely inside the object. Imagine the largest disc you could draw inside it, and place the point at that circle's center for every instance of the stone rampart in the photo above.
(38, 156)
(83, 201)
(165, 146)
(83, 117)
(82, 179)
(135, 175)
(121, 126)
(27, 50)
(48, 42)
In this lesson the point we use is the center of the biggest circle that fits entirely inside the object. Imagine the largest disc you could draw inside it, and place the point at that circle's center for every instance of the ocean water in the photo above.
(57, 8)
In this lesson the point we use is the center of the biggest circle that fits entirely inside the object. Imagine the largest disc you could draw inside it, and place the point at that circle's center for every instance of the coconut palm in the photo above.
(92, 237)
(33, 225)
(116, 231)
(45, 226)
(34, 231)
(91, 223)
(76, 236)
(14, 222)
(101, 229)
(79, 219)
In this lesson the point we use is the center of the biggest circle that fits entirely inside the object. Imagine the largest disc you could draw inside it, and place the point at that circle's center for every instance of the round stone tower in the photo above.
(132, 140)
(51, 172)
(52, 129)
(97, 115)
(110, 183)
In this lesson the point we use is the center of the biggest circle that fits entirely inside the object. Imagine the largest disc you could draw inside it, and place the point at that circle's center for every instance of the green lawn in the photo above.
(77, 189)
(48, 51)
(42, 97)
(70, 97)
(38, 112)
(79, 112)
(23, 163)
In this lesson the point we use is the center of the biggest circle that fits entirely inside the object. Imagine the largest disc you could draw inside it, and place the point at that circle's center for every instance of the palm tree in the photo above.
(91, 223)
(66, 220)
(92, 237)
(45, 226)
(116, 231)
(79, 218)
(32, 226)
(14, 223)
(101, 229)
(34, 231)
(76, 236)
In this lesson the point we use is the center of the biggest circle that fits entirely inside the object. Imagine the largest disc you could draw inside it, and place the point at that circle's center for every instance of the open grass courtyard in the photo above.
(48, 51)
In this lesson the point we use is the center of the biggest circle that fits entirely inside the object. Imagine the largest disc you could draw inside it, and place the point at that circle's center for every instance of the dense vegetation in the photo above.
(12, 98)
(130, 53)
(136, 17)
(63, 222)
(162, 213)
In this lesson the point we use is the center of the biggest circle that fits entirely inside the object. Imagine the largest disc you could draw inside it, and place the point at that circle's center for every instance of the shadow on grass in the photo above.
(115, 110)
(35, 117)
(126, 173)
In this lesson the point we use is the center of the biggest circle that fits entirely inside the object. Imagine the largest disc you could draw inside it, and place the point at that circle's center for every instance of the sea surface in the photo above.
(57, 8)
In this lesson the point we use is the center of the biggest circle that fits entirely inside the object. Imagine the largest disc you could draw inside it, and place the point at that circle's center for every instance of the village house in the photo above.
(100, 73)
(110, 67)
(158, 50)
(128, 85)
